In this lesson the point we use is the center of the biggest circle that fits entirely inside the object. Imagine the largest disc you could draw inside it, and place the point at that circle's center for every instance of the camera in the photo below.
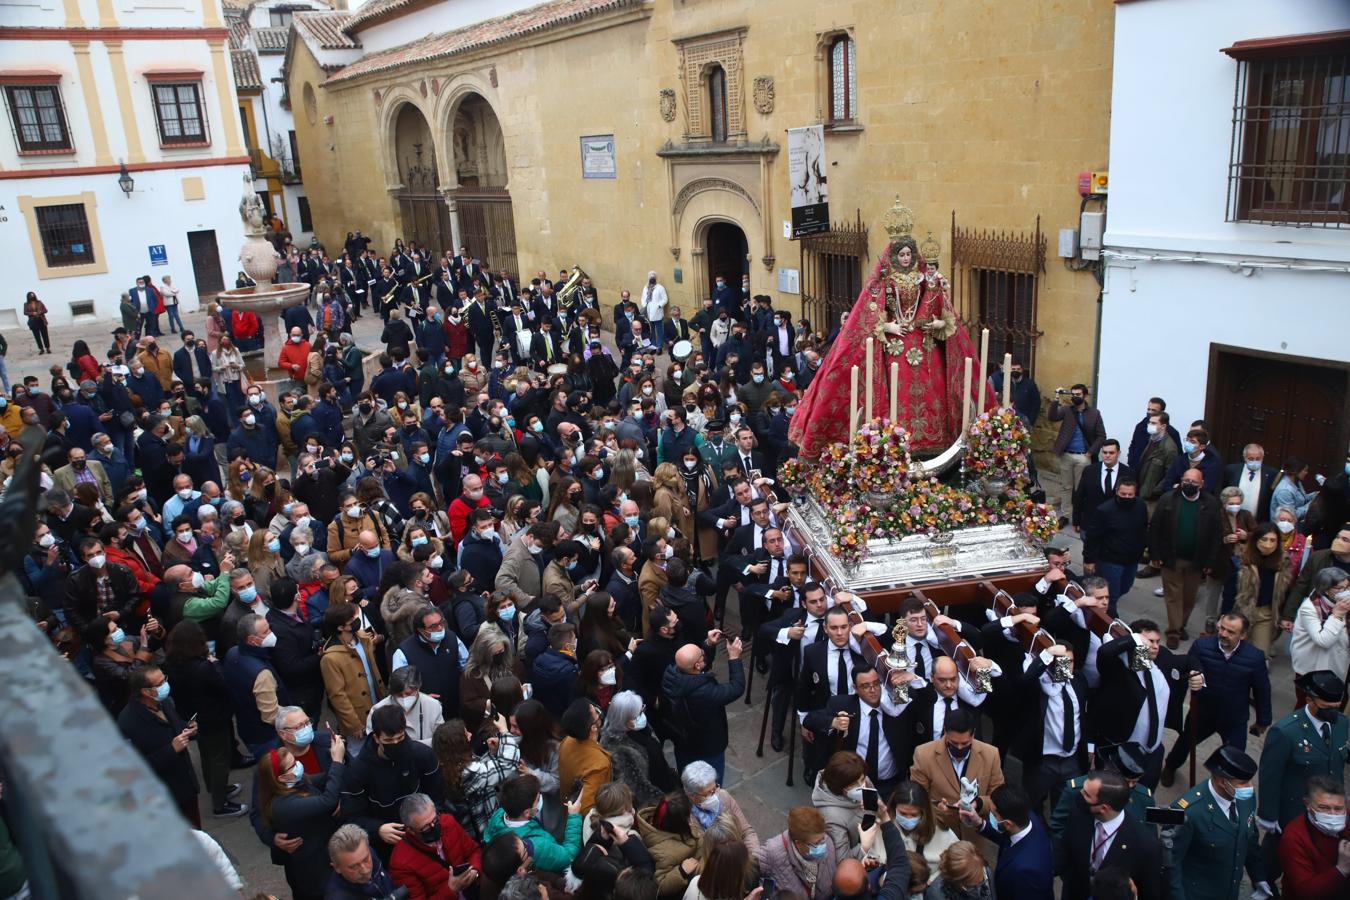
(1165, 816)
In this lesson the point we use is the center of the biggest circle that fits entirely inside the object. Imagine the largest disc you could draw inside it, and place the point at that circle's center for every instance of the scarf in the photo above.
(953, 892)
(805, 869)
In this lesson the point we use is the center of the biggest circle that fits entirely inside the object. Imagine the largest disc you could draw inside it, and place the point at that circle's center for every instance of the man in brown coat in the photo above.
(652, 579)
(351, 679)
(940, 767)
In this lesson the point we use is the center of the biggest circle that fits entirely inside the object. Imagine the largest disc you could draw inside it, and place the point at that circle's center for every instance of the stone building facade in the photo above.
(428, 120)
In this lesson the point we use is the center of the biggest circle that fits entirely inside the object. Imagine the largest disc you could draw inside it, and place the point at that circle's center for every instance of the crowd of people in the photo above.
(461, 620)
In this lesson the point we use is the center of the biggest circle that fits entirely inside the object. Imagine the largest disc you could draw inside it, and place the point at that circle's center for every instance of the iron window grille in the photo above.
(843, 80)
(64, 231)
(1290, 155)
(38, 118)
(717, 99)
(180, 113)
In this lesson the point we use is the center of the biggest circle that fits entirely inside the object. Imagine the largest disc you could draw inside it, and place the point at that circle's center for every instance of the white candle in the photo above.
(965, 398)
(868, 386)
(1007, 378)
(984, 368)
(895, 391)
(853, 404)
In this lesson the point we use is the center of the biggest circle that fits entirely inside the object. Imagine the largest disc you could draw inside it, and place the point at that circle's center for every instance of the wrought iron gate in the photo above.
(832, 272)
(996, 284)
(425, 216)
(487, 227)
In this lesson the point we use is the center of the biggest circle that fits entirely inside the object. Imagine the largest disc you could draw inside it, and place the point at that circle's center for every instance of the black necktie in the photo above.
(1152, 693)
(1326, 733)
(745, 464)
(1106, 488)
(820, 630)
(841, 677)
(918, 660)
(873, 744)
(1232, 812)
(1066, 696)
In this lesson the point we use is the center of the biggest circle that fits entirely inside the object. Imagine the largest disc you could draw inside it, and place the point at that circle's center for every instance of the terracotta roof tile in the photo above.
(325, 29)
(238, 34)
(271, 39)
(480, 34)
(246, 74)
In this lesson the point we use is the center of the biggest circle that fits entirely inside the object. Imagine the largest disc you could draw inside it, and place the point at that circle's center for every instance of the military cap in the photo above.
(1231, 762)
(1322, 684)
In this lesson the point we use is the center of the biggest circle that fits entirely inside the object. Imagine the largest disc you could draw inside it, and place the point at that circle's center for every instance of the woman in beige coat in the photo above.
(671, 503)
(346, 679)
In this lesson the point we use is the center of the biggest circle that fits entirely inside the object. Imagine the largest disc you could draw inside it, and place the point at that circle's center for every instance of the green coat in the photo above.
(718, 458)
(1210, 852)
(1293, 752)
(1141, 798)
(549, 855)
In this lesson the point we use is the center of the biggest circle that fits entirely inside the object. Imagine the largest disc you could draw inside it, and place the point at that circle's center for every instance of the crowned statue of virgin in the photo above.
(905, 309)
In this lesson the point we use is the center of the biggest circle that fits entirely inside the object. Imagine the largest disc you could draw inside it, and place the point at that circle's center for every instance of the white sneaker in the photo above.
(1157, 592)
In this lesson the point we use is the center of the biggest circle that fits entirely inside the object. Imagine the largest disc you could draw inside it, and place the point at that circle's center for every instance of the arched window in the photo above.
(843, 81)
(717, 103)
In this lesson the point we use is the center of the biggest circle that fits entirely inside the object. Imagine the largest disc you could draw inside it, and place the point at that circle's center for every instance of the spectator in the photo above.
(1186, 543)
(520, 799)
(151, 723)
(1263, 582)
(357, 872)
(302, 805)
(635, 752)
(432, 842)
(421, 713)
(1314, 850)
(351, 678)
(687, 686)
(388, 769)
(1319, 639)
(580, 756)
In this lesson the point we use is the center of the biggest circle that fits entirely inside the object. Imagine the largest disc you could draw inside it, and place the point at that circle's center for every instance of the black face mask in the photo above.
(79, 463)
(1190, 491)
(956, 753)
(431, 835)
(396, 753)
(1328, 713)
(365, 408)
(1125, 502)
(1077, 401)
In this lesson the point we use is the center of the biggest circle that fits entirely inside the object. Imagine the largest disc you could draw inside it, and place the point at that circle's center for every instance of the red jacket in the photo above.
(294, 358)
(459, 512)
(1309, 860)
(456, 339)
(425, 877)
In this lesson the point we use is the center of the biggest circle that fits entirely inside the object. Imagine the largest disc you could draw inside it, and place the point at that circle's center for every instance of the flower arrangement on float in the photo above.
(997, 447)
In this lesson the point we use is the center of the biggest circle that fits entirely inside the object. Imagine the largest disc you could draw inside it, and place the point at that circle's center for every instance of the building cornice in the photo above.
(26, 33)
(15, 174)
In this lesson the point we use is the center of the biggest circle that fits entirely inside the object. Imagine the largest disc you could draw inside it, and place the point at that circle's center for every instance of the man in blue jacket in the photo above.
(1025, 869)
(555, 670)
(191, 361)
(696, 705)
(258, 442)
(1234, 672)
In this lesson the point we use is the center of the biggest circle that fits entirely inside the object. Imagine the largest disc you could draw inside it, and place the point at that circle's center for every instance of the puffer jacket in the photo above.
(668, 850)
(842, 816)
(397, 608)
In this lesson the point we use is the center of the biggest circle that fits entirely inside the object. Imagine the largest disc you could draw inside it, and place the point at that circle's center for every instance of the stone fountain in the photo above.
(259, 259)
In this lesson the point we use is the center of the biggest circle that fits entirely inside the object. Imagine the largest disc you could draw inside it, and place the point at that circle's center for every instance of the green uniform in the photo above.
(1141, 798)
(1294, 751)
(1210, 850)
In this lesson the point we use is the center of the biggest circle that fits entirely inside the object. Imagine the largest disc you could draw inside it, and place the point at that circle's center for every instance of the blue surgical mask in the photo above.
(506, 613)
(758, 379)
(418, 541)
(640, 722)
(424, 458)
(118, 636)
(1253, 465)
(303, 737)
(993, 822)
(297, 771)
(572, 565)
(436, 636)
(502, 477)
(816, 851)
(248, 594)
(908, 823)
(537, 427)
(373, 552)
(162, 692)
(274, 545)
(1188, 446)
(1246, 792)
(632, 521)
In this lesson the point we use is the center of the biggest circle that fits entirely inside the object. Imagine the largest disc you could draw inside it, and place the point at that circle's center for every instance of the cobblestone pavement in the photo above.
(758, 782)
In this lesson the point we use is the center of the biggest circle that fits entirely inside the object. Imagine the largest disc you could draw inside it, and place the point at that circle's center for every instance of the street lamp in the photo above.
(125, 181)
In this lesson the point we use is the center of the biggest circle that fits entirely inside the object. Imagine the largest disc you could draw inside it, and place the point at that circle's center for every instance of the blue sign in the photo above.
(159, 256)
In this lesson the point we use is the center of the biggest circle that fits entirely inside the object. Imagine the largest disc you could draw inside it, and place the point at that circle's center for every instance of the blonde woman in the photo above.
(264, 561)
(473, 375)
(671, 502)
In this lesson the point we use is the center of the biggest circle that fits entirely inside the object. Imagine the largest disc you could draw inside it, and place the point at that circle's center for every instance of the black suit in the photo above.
(1045, 774)
(1236, 475)
(892, 730)
(1135, 849)
(545, 349)
(813, 693)
(1089, 493)
(756, 462)
(786, 658)
(1122, 698)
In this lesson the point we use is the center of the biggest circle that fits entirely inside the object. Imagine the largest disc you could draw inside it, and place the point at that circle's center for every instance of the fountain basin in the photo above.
(264, 300)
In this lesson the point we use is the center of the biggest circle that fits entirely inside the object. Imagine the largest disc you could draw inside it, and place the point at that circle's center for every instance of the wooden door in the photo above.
(726, 249)
(205, 263)
(487, 227)
(1291, 406)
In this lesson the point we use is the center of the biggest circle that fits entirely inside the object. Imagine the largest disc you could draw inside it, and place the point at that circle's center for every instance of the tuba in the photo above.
(570, 289)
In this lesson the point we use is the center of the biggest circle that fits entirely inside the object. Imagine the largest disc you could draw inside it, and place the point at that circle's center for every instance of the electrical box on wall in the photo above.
(1090, 228)
(1100, 182)
(1068, 243)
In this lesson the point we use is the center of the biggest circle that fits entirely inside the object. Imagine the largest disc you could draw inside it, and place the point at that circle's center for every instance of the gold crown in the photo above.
(930, 249)
(899, 220)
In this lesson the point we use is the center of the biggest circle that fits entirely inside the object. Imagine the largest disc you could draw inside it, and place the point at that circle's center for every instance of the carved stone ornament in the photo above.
(422, 87)
(379, 95)
(668, 104)
(764, 94)
(492, 76)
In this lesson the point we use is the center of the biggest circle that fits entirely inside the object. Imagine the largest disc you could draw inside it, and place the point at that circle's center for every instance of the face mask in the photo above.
(407, 702)
(735, 418)
(47, 540)
(269, 641)
(609, 676)
(1190, 491)
(1328, 713)
(1126, 502)
(346, 458)
(1246, 792)
(816, 851)
(295, 339)
(353, 512)
(118, 636)
(506, 613)
(1233, 508)
(535, 549)
(435, 562)
(993, 822)
(255, 399)
(198, 580)
(711, 803)
(250, 420)
(249, 594)
(1188, 446)
(274, 545)
(1253, 465)
(185, 494)
(1077, 401)
(162, 692)
(640, 722)
(758, 379)
(632, 521)
(790, 410)
(854, 794)
(961, 753)
(1284, 526)
(1328, 823)
(908, 823)
(301, 549)
(303, 737)
(647, 390)
(373, 552)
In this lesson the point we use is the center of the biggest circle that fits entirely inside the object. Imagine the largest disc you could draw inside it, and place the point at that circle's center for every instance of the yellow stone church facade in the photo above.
(633, 135)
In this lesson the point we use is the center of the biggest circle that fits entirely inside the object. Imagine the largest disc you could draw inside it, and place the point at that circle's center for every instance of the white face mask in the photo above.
(270, 640)
(609, 676)
(1233, 508)
(1329, 823)
(301, 549)
(407, 702)
(1285, 526)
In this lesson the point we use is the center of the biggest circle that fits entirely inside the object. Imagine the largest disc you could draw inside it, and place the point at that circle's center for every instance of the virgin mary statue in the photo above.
(905, 309)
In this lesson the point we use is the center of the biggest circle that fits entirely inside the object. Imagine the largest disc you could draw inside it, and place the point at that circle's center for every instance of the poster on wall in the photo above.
(159, 255)
(597, 156)
(807, 181)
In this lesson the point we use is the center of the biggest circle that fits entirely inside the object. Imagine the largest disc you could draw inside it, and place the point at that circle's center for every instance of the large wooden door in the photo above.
(205, 263)
(726, 249)
(1291, 406)
(488, 227)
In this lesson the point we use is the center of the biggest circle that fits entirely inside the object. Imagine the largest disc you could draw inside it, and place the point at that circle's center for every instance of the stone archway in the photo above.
(423, 215)
(709, 217)
(478, 191)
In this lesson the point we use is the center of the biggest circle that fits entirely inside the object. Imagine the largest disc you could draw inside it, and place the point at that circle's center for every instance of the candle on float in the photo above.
(868, 386)
(895, 391)
(984, 368)
(965, 398)
(1007, 378)
(852, 405)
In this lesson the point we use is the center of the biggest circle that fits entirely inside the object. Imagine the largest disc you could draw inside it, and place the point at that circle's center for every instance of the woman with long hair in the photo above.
(598, 678)
(521, 481)
(625, 722)
(302, 804)
(1263, 581)
(83, 366)
(566, 503)
(36, 312)
(490, 658)
(600, 628)
(914, 814)
(267, 500)
(724, 865)
(199, 690)
(538, 737)
(450, 743)
(699, 485)
(670, 501)
(264, 561)
(227, 369)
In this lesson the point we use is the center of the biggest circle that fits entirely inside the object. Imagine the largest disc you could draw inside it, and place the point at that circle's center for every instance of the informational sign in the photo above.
(789, 281)
(159, 255)
(597, 156)
(807, 181)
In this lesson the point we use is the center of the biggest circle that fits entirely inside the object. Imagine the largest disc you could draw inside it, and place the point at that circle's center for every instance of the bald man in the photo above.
(192, 597)
(850, 878)
(1185, 540)
(697, 703)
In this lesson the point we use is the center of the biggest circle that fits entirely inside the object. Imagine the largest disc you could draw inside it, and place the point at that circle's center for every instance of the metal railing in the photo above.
(91, 820)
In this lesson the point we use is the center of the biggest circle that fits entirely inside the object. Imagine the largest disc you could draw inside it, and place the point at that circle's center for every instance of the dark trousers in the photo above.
(40, 335)
(1234, 734)
(214, 744)
(1119, 578)
(1046, 779)
(782, 700)
(150, 324)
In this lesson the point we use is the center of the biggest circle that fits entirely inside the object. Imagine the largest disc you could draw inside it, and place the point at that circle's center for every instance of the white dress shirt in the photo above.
(1056, 695)
(885, 758)
(1163, 691)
